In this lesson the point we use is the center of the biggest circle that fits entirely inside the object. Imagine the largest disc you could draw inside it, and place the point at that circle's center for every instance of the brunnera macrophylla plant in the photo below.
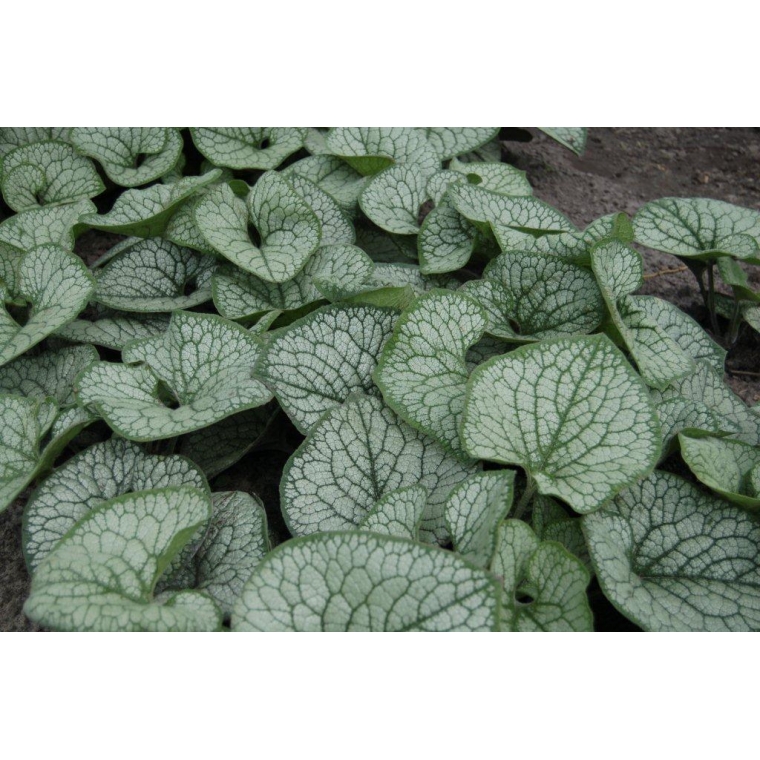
(483, 419)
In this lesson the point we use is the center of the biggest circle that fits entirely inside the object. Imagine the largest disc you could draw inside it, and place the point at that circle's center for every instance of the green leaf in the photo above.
(42, 226)
(551, 522)
(698, 228)
(57, 285)
(47, 375)
(90, 478)
(44, 173)
(101, 575)
(571, 137)
(422, 371)
(393, 199)
(336, 178)
(248, 147)
(398, 513)
(475, 509)
(706, 386)
(355, 455)
(14, 137)
(400, 275)
(546, 572)
(530, 296)
(678, 414)
(369, 150)
(572, 412)
(25, 423)
(454, 141)
(446, 240)
(503, 179)
(523, 213)
(183, 230)
(130, 156)
(289, 229)
(235, 541)
(336, 226)
(365, 582)
(154, 276)
(146, 213)
(219, 446)
(314, 364)
(723, 465)
(734, 276)
(114, 329)
(206, 363)
(672, 558)
(331, 271)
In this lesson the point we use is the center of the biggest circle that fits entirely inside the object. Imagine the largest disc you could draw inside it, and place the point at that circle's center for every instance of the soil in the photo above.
(622, 169)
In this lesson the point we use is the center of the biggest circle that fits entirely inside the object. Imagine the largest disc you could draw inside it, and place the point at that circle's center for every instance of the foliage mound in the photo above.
(487, 427)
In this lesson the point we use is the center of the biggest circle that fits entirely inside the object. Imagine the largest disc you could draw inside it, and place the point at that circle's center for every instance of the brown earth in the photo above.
(622, 169)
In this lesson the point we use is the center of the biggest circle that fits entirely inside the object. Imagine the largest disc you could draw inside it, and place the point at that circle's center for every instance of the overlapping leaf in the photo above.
(673, 558)
(366, 582)
(572, 412)
(56, 225)
(248, 147)
(114, 329)
(101, 576)
(398, 513)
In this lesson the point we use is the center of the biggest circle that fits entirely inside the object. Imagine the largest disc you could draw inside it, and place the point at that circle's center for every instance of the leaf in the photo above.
(234, 543)
(205, 361)
(422, 371)
(571, 411)
(446, 240)
(672, 558)
(663, 343)
(355, 455)
(47, 375)
(57, 285)
(336, 178)
(101, 576)
(398, 513)
(551, 522)
(154, 276)
(500, 178)
(393, 199)
(571, 137)
(14, 137)
(25, 423)
(332, 270)
(369, 150)
(678, 414)
(290, 231)
(553, 579)
(475, 509)
(247, 147)
(114, 329)
(400, 275)
(314, 364)
(734, 276)
(130, 156)
(523, 213)
(217, 447)
(54, 225)
(698, 228)
(336, 226)
(87, 480)
(454, 141)
(723, 465)
(706, 386)
(531, 296)
(146, 213)
(365, 582)
(44, 173)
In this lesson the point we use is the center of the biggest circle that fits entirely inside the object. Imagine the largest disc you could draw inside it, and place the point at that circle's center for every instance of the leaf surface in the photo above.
(248, 147)
(398, 513)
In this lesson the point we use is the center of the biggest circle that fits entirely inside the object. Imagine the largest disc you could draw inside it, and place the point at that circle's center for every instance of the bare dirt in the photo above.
(622, 169)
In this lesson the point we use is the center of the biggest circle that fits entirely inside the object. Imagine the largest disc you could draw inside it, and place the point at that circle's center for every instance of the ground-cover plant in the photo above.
(486, 427)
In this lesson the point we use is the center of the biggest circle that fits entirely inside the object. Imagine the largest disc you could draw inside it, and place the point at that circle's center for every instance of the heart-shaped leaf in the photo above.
(673, 558)
(44, 173)
(341, 182)
(130, 156)
(394, 197)
(54, 225)
(153, 276)
(355, 455)
(101, 575)
(572, 412)
(446, 240)
(366, 582)
(248, 147)
(57, 286)
(422, 371)
(314, 364)
(336, 226)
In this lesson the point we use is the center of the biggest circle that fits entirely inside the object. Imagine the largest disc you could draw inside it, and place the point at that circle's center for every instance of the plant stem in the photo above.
(733, 330)
(525, 499)
(711, 299)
